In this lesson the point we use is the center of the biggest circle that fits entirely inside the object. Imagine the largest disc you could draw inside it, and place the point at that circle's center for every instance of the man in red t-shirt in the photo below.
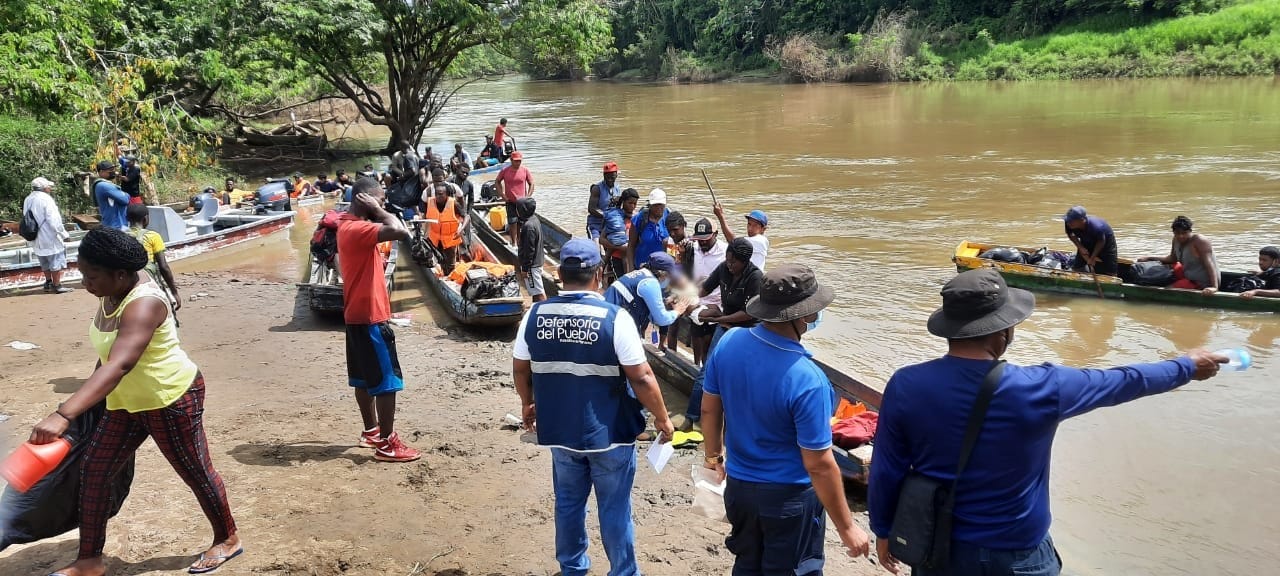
(373, 368)
(514, 183)
(500, 136)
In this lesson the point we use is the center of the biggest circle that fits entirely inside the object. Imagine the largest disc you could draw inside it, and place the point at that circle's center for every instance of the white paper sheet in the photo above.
(659, 455)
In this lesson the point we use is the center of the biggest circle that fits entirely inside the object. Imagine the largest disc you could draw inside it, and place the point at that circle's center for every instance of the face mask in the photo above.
(664, 283)
(810, 327)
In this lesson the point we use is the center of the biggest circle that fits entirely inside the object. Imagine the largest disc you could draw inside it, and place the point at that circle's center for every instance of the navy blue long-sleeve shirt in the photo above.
(1002, 500)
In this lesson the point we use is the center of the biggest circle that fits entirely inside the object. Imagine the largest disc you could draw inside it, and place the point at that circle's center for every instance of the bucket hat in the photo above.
(789, 292)
(978, 302)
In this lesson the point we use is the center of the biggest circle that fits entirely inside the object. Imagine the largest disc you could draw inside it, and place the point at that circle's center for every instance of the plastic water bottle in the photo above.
(32, 462)
(1238, 359)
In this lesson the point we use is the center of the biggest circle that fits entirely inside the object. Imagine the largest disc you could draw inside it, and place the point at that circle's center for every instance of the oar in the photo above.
(709, 188)
(1096, 283)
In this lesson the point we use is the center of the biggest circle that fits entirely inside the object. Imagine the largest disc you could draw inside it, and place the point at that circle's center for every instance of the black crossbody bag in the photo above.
(921, 535)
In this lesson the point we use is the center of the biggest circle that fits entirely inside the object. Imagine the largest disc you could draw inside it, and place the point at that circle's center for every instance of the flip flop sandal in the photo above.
(220, 559)
(647, 436)
(686, 439)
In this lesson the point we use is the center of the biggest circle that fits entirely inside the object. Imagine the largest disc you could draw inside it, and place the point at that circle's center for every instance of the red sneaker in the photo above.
(391, 449)
(370, 439)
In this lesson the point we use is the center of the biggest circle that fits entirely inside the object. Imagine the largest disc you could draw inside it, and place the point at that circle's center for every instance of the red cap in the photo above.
(517, 155)
(611, 167)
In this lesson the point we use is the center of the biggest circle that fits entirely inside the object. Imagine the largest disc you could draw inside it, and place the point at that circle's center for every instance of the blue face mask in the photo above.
(665, 282)
(810, 327)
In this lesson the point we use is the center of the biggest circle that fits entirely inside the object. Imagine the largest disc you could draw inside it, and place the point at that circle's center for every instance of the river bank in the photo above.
(281, 424)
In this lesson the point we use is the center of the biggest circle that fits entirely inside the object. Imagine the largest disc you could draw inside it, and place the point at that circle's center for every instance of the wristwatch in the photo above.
(717, 459)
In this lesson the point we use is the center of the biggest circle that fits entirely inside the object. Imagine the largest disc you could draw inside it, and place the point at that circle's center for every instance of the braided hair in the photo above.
(112, 249)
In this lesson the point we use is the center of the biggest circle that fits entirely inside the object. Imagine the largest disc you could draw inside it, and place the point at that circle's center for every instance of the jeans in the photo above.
(778, 529)
(972, 560)
(694, 411)
(611, 473)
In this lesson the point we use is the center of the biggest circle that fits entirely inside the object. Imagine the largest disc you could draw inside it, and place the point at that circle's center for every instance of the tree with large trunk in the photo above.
(357, 46)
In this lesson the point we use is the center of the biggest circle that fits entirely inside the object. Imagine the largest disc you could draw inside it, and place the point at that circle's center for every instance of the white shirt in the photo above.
(759, 249)
(52, 231)
(626, 337)
(704, 263)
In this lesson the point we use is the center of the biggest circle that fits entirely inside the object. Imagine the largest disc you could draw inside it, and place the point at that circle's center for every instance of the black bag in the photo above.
(921, 535)
(1151, 274)
(51, 507)
(29, 229)
(1005, 255)
(1245, 284)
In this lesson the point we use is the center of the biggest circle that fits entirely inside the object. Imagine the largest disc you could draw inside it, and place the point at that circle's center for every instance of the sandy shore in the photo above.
(282, 426)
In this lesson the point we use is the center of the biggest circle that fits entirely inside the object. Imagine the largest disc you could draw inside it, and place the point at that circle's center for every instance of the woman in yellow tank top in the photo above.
(151, 388)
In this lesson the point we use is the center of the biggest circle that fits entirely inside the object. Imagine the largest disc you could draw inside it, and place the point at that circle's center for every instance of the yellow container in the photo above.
(498, 218)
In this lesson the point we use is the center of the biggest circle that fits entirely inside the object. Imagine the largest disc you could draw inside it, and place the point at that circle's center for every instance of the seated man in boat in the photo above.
(490, 154)
(1095, 242)
(233, 196)
(1199, 269)
(301, 187)
(460, 158)
(447, 221)
(1269, 274)
(324, 185)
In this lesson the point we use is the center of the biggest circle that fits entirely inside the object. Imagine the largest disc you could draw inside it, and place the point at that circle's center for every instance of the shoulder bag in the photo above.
(921, 535)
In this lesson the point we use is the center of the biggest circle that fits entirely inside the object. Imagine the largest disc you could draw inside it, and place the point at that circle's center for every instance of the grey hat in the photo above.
(789, 292)
(977, 303)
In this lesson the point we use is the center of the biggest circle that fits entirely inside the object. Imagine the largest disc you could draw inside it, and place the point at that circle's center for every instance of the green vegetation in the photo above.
(53, 148)
(887, 40)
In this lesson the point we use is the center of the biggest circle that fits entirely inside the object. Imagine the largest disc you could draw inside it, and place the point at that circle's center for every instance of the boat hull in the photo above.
(490, 312)
(506, 253)
(29, 275)
(1035, 278)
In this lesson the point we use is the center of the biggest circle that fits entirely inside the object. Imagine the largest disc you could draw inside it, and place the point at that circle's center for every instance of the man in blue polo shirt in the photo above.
(1001, 514)
(770, 405)
(573, 357)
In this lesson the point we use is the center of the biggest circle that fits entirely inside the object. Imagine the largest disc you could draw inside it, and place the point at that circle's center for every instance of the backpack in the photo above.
(29, 229)
(324, 242)
(1151, 274)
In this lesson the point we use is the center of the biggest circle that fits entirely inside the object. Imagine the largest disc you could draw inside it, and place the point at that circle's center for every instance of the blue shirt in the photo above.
(112, 203)
(1002, 501)
(1095, 229)
(776, 401)
(650, 237)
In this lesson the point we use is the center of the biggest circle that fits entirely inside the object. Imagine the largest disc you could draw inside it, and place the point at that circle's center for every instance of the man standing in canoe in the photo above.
(603, 194)
(757, 225)
(1096, 250)
(573, 357)
(1195, 253)
(447, 222)
(766, 418)
(373, 367)
(1001, 513)
(514, 182)
(648, 232)
(500, 136)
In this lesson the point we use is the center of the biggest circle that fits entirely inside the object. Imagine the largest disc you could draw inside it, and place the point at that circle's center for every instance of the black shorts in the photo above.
(372, 363)
(704, 331)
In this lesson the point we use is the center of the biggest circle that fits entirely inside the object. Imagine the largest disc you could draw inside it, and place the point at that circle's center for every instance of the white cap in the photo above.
(657, 196)
(41, 183)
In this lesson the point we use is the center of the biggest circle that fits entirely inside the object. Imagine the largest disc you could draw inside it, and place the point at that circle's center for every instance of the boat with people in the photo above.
(206, 230)
(479, 292)
(483, 218)
(1049, 278)
(676, 368)
(323, 290)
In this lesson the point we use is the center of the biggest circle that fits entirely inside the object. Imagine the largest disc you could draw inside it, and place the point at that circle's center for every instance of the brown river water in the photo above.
(875, 185)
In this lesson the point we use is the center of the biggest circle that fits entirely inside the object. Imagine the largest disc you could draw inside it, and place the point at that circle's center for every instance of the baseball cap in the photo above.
(41, 183)
(663, 262)
(1075, 213)
(657, 196)
(759, 216)
(611, 167)
(703, 229)
(579, 253)
(517, 155)
(106, 165)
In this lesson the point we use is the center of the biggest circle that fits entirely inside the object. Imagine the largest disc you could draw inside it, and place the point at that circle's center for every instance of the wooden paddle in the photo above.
(709, 188)
(1096, 283)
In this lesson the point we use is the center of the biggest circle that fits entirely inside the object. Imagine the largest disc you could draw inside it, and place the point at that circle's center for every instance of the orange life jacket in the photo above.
(444, 224)
(299, 188)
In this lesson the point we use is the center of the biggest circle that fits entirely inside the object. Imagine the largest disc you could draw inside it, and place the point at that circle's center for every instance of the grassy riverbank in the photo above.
(1242, 39)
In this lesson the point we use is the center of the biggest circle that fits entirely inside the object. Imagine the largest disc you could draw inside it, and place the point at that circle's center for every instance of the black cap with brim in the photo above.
(977, 303)
(105, 165)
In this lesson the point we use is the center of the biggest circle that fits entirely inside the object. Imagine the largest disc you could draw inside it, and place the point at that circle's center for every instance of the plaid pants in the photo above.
(178, 431)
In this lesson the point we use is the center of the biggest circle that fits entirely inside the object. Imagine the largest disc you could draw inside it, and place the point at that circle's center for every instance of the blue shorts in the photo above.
(372, 363)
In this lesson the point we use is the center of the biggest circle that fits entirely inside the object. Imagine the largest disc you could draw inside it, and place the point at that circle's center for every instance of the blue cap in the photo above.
(758, 216)
(579, 253)
(663, 262)
(1075, 213)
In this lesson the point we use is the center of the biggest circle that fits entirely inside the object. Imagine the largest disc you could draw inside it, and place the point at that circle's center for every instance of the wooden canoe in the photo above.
(504, 311)
(1036, 278)
(675, 367)
(327, 299)
(496, 243)
(19, 267)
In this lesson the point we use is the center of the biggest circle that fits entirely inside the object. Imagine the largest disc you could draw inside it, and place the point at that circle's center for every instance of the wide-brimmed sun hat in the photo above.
(977, 303)
(789, 292)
